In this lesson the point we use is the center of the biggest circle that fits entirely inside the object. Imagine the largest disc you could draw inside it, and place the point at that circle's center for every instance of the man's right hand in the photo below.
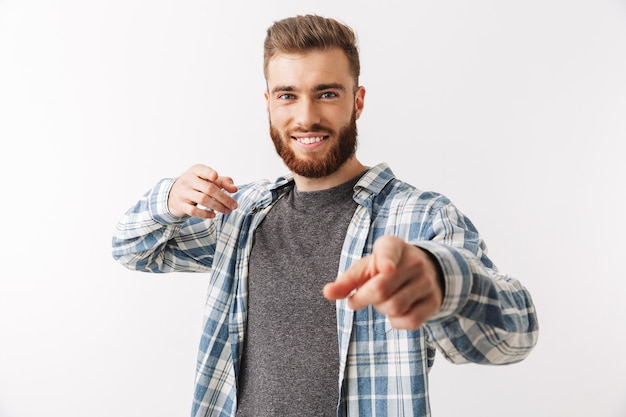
(199, 192)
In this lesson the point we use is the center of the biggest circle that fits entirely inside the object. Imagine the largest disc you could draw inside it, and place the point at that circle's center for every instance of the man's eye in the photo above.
(328, 94)
(286, 97)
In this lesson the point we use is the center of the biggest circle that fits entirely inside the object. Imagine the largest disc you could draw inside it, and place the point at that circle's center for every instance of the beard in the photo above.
(317, 167)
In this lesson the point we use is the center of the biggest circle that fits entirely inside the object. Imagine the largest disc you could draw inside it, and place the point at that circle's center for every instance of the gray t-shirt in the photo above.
(290, 360)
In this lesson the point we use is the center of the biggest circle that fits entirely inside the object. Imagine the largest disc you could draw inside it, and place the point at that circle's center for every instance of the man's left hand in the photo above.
(400, 280)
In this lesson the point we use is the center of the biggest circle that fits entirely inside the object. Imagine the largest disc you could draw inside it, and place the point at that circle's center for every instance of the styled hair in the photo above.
(311, 32)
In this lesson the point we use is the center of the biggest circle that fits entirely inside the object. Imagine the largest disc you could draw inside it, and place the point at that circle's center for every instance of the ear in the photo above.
(359, 101)
(267, 102)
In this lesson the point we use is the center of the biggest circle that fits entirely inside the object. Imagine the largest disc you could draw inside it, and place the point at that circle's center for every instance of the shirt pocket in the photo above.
(372, 321)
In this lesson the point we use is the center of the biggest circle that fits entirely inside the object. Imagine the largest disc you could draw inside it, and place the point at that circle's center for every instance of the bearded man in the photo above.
(331, 288)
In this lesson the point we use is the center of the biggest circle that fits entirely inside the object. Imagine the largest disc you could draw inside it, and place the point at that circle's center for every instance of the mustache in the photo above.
(313, 128)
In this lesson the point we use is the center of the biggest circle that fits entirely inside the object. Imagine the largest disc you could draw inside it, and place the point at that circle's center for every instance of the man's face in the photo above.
(313, 110)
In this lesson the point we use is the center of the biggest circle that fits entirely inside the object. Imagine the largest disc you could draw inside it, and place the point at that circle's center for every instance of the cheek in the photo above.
(278, 116)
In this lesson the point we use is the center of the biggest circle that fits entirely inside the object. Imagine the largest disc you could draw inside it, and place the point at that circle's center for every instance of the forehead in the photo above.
(300, 69)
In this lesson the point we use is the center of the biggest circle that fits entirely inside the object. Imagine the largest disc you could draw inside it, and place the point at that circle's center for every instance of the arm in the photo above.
(447, 283)
(169, 229)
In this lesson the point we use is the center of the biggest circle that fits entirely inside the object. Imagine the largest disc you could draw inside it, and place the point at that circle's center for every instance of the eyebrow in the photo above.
(319, 87)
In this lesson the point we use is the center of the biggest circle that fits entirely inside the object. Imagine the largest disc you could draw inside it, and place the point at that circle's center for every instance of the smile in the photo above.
(309, 140)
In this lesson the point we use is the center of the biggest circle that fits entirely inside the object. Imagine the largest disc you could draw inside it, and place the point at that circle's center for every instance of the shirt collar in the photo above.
(369, 185)
(372, 183)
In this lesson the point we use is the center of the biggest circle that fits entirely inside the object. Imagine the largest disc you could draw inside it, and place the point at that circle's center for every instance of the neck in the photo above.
(350, 169)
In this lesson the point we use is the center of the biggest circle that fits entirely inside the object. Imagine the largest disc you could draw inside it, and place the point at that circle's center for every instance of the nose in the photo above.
(307, 113)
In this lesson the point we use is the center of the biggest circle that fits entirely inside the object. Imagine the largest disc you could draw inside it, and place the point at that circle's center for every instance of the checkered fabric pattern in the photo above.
(487, 317)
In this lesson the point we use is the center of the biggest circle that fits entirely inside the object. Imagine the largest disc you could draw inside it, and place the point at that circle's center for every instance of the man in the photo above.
(408, 272)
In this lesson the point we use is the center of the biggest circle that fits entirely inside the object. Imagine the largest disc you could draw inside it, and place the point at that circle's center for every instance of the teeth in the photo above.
(308, 141)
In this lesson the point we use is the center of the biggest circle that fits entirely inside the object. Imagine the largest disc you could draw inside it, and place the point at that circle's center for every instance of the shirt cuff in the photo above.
(157, 202)
(457, 276)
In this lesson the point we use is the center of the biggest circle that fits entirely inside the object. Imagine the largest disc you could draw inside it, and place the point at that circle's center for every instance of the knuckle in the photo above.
(416, 260)
(427, 284)
(414, 322)
(405, 323)
(386, 240)
(378, 290)
(208, 187)
(393, 308)
(198, 167)
(205, 200)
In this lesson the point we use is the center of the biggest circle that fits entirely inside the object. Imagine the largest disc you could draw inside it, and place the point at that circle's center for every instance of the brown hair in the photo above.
(305, 33)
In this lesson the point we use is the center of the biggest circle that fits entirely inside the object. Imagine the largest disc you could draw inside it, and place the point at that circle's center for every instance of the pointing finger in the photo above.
(349, 281)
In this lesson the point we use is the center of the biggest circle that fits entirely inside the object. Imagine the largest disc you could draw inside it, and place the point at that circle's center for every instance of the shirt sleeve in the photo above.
(486, 317)
(149, 238)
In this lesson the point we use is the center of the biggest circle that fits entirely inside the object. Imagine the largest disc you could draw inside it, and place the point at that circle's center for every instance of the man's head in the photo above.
(310, 32)
(313, 98)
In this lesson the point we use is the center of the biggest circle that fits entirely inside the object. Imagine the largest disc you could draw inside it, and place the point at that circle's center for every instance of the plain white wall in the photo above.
(515, 110)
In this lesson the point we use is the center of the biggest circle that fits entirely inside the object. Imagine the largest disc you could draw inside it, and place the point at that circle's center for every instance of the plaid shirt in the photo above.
(487, 317)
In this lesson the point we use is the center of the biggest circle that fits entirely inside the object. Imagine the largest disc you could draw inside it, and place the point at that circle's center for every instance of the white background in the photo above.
(514, 110)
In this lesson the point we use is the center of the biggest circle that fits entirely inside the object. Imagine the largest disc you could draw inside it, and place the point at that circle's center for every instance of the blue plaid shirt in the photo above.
(487, 317)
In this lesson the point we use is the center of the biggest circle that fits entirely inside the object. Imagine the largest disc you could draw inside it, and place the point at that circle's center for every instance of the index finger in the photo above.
(349, 281)
(209, 174)
(379, 267)
(226, 183)
(210, 179)
(205, 172)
